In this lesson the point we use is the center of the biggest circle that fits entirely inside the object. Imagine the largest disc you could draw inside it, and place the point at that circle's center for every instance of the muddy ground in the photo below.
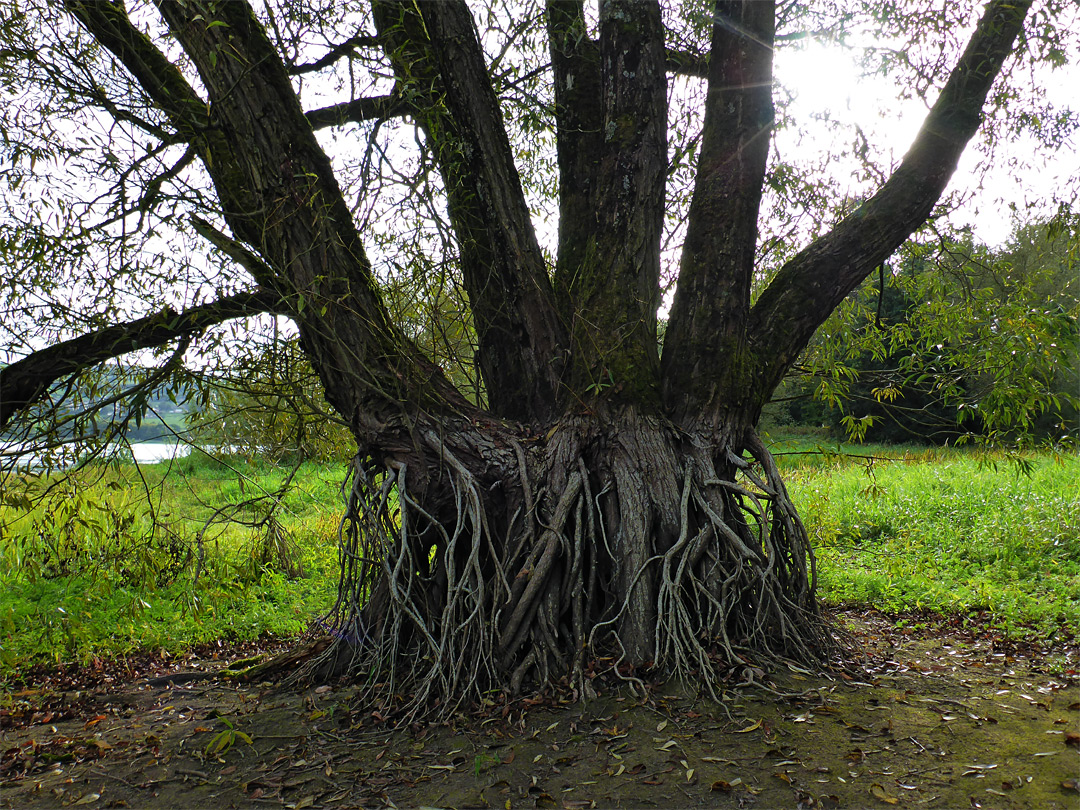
(945, 716)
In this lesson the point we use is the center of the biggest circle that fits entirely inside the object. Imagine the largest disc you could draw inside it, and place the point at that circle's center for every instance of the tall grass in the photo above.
(119, 558)
(957, 532)
(116, 558)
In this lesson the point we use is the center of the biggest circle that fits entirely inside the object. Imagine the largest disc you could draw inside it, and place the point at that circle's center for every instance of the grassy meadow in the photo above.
(118, 558)
(945, 530)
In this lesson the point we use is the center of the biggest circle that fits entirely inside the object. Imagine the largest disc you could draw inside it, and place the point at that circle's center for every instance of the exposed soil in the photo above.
(948, 716)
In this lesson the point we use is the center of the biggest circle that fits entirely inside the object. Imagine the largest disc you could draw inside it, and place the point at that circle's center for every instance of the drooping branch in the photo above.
(25, 382)
(705, 343)
(436, 54)
(816, 280)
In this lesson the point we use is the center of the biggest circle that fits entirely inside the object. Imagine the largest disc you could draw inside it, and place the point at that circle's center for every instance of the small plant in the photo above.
(225, 739)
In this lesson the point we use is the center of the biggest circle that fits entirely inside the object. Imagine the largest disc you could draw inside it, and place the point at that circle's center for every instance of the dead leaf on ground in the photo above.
(878, 792)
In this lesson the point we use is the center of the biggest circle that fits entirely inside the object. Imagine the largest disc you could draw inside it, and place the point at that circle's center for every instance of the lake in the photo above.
(148, 452)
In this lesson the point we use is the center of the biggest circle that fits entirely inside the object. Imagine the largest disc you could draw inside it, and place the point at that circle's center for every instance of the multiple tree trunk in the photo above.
(607, 499)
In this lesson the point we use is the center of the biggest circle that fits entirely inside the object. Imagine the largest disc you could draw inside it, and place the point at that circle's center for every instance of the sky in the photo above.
(827, 79)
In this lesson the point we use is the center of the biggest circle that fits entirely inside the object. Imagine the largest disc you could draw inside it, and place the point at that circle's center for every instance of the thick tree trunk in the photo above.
(493, 559)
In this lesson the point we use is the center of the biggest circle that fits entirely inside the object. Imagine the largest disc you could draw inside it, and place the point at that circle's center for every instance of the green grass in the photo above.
(950, 531)
(105, 563)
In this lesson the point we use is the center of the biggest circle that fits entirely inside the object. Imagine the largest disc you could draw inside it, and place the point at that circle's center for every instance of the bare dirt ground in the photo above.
(946, 716)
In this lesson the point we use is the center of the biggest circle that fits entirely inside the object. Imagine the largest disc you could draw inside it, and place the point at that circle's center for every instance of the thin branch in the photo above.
(259, 270)
(358, 40)
(685, 63)
(371, 108)
(25, 382)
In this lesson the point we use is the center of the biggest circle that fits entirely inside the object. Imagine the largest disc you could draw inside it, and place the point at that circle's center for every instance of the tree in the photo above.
(953, 341)
(591, 492)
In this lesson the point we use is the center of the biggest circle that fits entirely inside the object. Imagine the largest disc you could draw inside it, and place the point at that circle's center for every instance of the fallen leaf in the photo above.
(753, 727)
(661, 725)
(1071, 784)
(89, 798)
(878, 792)
(721, 785)
(1072, 738)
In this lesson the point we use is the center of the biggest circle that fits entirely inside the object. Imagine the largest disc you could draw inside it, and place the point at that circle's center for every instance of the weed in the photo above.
(225, 739)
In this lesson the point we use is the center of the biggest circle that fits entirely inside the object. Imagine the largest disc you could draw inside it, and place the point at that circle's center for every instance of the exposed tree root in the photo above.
(497, 565)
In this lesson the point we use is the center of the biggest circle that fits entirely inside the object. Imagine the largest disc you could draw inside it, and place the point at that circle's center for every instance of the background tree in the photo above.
(582, 491)
(961, 342)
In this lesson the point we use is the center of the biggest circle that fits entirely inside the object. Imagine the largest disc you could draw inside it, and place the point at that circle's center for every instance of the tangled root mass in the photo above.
(488, 562)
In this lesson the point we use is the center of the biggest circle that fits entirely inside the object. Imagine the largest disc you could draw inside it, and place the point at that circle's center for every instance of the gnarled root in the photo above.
(507, 564)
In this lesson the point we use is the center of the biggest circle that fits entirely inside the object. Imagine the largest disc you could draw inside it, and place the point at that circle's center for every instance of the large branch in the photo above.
(705, 341)
(575, 60)
(437, 57)
(611, 277)
(279, 196)
(25, 382)
(814, 282)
